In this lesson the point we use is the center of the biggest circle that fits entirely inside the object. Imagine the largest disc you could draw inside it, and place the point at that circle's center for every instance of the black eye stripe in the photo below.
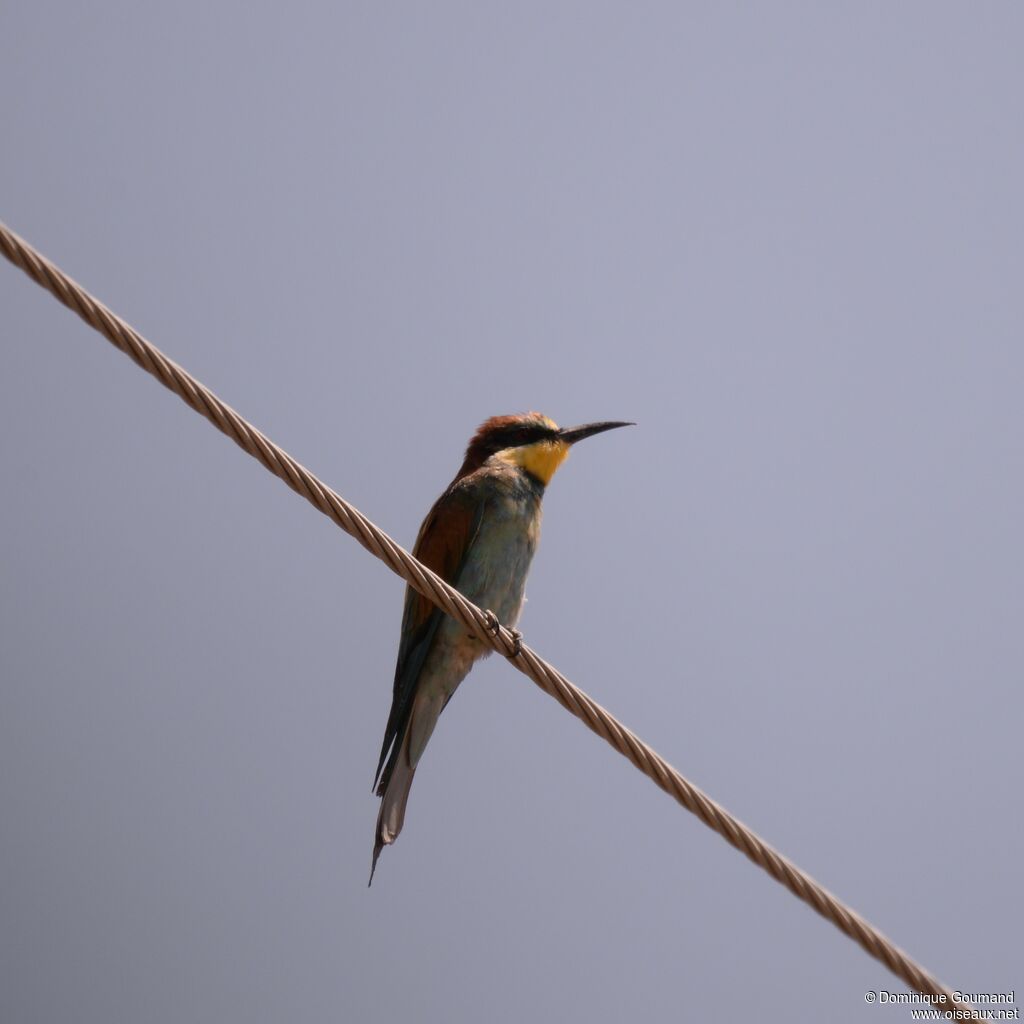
(517, 436)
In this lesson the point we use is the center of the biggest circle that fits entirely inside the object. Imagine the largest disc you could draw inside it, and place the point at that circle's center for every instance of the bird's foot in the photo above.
(517, 643)
(494, 626)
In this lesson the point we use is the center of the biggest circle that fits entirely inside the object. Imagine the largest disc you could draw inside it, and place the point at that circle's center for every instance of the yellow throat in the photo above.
(540, 459)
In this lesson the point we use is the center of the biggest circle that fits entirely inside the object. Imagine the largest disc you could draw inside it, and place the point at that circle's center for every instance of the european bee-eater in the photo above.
(480, 537)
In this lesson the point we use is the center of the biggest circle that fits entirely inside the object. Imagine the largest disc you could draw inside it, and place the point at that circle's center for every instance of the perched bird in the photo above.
(480, 537)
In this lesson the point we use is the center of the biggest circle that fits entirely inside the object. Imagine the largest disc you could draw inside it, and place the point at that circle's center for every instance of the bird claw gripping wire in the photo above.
(517, 643)
(494, 626)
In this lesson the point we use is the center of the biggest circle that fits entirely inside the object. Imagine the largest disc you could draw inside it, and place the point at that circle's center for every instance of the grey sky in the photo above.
(786, 239)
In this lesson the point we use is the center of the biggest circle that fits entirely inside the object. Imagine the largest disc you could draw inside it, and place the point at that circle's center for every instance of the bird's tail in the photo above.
(393, 801)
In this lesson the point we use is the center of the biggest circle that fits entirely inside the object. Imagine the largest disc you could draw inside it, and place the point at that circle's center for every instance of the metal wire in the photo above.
(549, 679)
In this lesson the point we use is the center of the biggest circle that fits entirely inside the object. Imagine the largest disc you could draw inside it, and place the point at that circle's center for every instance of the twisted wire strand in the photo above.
(401, 562)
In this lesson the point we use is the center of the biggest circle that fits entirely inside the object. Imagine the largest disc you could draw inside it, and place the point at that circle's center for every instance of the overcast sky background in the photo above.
(786, 239)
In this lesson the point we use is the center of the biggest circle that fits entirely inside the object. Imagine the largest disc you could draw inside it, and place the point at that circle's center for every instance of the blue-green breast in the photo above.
(494, 573)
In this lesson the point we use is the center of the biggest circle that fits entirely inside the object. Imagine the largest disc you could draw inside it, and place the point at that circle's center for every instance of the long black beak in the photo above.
(573, 434)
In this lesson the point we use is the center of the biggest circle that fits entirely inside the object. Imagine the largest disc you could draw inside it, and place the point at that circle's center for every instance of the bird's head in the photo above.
(529, 440)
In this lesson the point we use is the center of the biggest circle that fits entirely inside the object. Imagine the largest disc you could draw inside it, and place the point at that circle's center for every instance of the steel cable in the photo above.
(400, 561)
